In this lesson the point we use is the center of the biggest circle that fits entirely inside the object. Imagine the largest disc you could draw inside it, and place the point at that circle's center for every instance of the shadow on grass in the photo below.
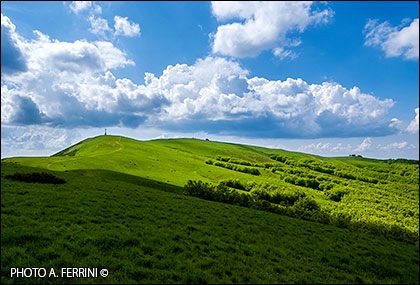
(12, 168)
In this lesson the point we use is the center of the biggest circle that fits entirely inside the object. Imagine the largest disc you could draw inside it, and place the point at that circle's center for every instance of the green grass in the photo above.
(143, 232)
(122, 208)
(392, 202)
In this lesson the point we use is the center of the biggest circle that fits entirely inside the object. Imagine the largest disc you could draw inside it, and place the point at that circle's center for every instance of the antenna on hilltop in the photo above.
(105, 131)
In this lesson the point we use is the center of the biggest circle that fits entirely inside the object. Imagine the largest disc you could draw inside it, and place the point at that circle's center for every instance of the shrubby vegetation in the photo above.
(367, 195)
(36, 177)
(337, 194)
(238, 168)
(236, 161)
(258, 198)
(295, 203)
(235, 183)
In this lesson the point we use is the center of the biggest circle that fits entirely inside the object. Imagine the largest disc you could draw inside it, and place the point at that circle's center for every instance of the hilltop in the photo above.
(274, 216)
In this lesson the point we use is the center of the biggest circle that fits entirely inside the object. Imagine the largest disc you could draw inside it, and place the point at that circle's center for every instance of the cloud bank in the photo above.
(71, 84)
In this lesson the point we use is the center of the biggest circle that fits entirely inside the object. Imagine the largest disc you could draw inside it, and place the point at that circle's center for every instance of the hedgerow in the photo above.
(238, 168)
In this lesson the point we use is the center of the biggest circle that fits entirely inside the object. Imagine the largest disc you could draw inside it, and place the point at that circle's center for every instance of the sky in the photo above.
(327, 78)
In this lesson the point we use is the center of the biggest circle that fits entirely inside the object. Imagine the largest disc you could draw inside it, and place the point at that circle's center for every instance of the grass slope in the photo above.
(393, 201)
(121, 209)
(143, 232)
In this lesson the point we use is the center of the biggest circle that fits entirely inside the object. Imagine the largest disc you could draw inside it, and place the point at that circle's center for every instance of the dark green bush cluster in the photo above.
(344, 175)
(326, 168)
(368, 179)
(234, 183)
(264, 197)
(304, 182)
(325, 185)
(221, 193)
(36, 177)
(237, 161)
(274, 194)
(321, 169)
(351, 176)
(278, 157)
(231, 166)
(261, 192)
(337, 194)
(307, 208)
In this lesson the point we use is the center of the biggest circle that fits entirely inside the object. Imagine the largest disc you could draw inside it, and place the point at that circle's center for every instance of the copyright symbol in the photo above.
(104, 272)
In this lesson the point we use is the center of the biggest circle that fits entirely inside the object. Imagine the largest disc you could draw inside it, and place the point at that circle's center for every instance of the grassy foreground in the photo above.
(122, 208)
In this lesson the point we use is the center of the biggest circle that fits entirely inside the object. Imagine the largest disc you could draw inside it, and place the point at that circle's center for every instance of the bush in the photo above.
(307, 209)
(238, 168)
(252, 171)
(199, 189)
(290, 179)
(307, 204)
(272, 198)
(325, 186)
(337, 194)
(234, 183)
(276, 195)
(279, 158)
(344, 175)
(36, 177)
(304, 182)
(223, 158)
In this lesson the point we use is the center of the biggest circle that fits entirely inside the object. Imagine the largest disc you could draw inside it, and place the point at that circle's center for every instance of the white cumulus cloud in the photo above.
(394, 41)
(126, 28)
(99, 26)
(78, 6)
(413, 127)
(71, 84)
(261, 25)
(365, 145)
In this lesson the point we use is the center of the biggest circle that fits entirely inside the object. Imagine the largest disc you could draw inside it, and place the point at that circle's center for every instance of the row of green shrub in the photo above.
(244, 162)
(326, 168)
(304, 182)
(234, 167)
(303, 208)
(265, 191)
(256, 199)
(236, 161)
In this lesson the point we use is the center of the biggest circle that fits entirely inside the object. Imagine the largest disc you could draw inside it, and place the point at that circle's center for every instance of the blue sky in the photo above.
(329, 78)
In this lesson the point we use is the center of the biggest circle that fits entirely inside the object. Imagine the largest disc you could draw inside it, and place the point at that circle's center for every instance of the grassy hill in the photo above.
(122, 207)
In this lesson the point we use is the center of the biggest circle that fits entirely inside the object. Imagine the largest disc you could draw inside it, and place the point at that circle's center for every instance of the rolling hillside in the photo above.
(123, 207)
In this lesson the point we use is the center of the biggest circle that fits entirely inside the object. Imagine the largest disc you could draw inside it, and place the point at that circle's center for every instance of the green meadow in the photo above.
(198, 211)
